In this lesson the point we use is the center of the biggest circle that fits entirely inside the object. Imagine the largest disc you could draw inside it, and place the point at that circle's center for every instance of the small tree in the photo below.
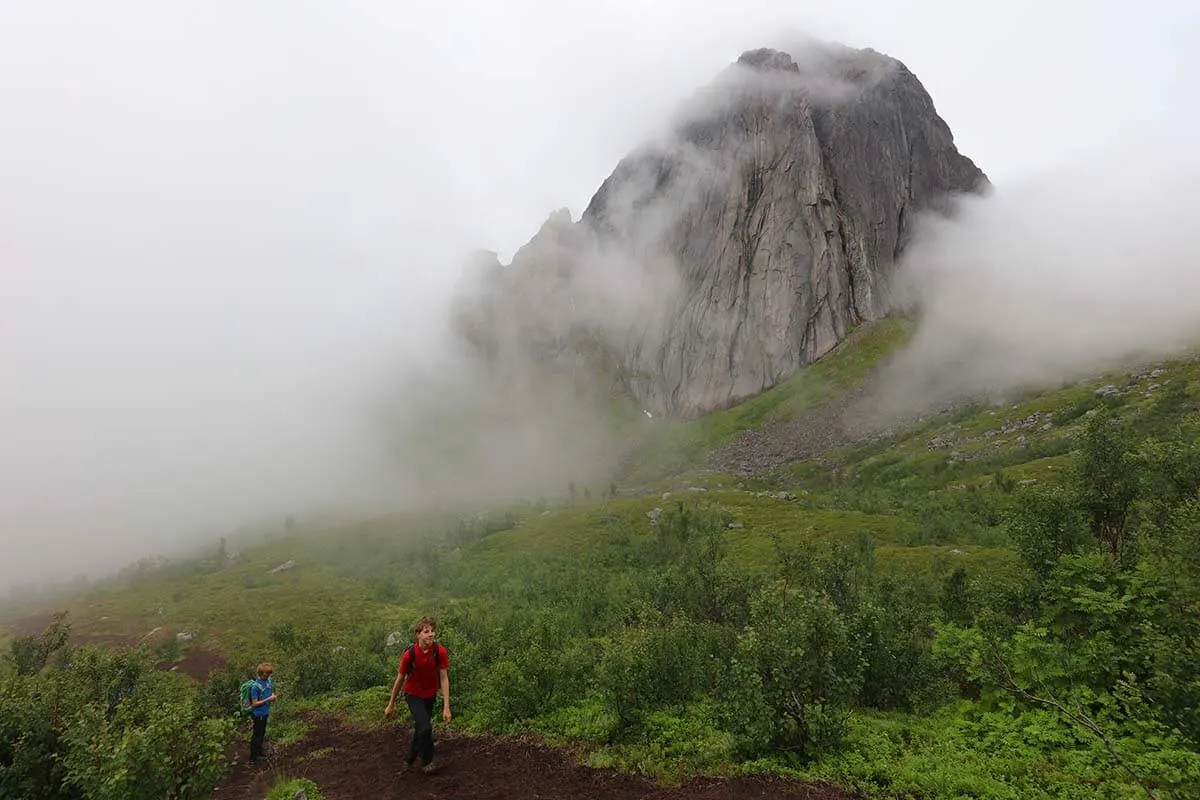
(1045, 524)
(30, 654)
(1106, 480)
(795, 673)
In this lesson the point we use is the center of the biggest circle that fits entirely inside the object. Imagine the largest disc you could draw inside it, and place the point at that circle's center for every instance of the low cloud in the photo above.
(228, 234)
(1054, 278)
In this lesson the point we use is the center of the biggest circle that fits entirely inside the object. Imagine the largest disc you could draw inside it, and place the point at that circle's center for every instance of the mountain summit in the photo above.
(717, 260)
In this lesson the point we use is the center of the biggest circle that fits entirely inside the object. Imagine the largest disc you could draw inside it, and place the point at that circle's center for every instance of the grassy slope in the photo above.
(883, 490)
(237, 604)
(924, 498)
(232, 608)
(677, 447)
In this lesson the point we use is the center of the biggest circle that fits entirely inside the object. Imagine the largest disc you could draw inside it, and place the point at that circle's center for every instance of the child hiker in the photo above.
(423, 668)
(262, 694)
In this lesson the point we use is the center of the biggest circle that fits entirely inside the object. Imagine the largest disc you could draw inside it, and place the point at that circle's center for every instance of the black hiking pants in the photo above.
(256, 738)
(421, 709)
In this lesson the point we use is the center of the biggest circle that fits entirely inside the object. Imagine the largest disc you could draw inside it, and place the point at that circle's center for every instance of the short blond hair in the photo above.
(266, 669)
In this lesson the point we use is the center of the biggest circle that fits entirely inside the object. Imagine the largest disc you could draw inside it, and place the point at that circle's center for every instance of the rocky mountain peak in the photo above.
(714, 264)
(766, 59)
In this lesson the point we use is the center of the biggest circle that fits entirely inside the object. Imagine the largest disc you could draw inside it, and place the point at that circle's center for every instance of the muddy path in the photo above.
(349, 763)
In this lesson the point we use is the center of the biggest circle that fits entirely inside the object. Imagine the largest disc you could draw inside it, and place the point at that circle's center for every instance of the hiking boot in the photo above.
(430, 769)
(408, 765)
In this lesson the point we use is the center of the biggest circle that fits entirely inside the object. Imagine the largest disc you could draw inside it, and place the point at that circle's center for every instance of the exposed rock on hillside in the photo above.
(745, 244)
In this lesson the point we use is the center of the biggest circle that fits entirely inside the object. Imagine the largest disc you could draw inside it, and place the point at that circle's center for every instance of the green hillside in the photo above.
(672, 447)
(1000, 601)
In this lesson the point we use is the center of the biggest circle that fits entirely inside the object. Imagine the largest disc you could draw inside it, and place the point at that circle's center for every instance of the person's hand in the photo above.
(446, 714)
(391, 709)
(272, 698)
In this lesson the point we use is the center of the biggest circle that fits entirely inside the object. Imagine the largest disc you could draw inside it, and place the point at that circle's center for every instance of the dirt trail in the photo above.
(349, 764)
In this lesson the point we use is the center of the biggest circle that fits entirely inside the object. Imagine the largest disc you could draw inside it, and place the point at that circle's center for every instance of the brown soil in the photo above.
(196, 662)
(349, 763)
(33, 626)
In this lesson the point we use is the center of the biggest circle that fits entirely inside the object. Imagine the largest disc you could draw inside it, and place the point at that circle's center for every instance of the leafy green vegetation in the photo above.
(97, 722)
(996, 602)
(288, 789)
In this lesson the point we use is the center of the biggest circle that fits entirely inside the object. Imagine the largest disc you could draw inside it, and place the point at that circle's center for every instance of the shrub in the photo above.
(105, 724)
(795, 674)
(290, 788)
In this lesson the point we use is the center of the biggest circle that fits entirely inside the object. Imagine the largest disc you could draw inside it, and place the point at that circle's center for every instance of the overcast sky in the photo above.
(222, 224)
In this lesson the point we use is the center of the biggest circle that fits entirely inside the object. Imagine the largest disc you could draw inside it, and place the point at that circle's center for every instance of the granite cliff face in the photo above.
(716, 262)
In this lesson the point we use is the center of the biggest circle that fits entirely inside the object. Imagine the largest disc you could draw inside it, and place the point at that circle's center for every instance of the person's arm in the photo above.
(445, 676)
(391, 706)
(257, 692)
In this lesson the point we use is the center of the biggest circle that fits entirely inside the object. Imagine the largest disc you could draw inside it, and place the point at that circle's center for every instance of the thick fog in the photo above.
(1054, 278)
(229, 230)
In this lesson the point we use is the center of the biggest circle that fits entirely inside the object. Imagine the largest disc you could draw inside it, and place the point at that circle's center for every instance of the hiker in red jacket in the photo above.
(423, 666)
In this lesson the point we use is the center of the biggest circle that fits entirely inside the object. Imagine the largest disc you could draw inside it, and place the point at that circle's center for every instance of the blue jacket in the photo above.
(261, 689)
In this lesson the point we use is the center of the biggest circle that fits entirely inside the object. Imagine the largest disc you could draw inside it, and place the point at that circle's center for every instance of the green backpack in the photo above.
(245, 695)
